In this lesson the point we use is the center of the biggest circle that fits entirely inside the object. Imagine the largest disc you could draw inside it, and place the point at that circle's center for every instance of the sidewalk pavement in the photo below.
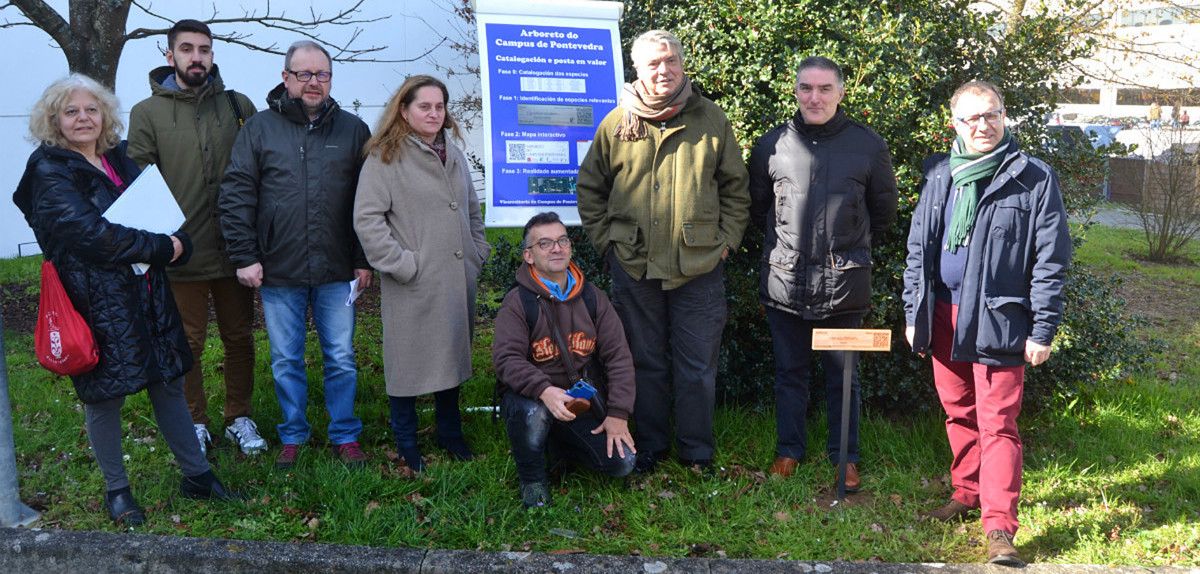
(33, 551)
(1118, 216)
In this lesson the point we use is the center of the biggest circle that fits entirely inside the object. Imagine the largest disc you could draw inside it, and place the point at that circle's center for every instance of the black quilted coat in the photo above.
(823, 194)
(133, 317)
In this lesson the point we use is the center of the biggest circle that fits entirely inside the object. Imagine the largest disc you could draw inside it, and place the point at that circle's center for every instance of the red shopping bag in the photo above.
(63, 341)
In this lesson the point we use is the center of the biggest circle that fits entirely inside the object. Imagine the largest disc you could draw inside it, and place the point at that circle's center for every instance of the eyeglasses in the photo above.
(991, 117)
(321, 76)
(548, 244)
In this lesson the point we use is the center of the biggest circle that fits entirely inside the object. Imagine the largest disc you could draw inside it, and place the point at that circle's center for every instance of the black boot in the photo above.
(449, 424)
(206, 486)
(123, 509)
(404, 431)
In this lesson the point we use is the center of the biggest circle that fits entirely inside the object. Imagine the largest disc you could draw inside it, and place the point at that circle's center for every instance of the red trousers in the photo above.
(982, 404)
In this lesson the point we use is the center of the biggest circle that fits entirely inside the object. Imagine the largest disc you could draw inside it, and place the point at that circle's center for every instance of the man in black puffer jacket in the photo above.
(822, 189)
(286, 208)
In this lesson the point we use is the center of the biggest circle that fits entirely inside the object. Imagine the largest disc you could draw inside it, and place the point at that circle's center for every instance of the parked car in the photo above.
(1097, 135)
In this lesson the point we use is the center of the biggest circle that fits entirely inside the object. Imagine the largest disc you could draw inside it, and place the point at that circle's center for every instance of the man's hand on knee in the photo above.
(617, 436)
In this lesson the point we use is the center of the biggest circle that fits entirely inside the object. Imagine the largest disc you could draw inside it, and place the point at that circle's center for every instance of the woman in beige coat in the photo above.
(418, 218)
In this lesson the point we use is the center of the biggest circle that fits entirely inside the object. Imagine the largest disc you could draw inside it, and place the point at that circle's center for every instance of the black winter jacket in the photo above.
(821, 193)
(1017, 261)
(287, 199)
(133, 317)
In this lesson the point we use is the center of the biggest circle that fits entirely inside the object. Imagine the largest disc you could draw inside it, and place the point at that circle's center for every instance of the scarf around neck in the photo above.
(639, 103)
(966, 171)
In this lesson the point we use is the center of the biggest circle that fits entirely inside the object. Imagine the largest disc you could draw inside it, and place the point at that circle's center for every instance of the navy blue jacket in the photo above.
(133, 317)
(1017, 262)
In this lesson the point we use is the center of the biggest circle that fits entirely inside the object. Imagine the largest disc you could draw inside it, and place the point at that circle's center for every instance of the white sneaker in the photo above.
(203, 438)
(244, 432)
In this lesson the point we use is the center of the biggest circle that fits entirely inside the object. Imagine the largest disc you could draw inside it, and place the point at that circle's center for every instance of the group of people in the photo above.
(302, 202)
(1178, 119)
(276, 201)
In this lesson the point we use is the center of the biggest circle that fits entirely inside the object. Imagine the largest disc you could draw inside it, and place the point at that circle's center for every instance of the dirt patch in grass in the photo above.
(20, 303)
(1172, 306)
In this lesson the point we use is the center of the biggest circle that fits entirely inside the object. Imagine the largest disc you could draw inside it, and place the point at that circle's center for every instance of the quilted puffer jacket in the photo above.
(823, 194)
(133, 317)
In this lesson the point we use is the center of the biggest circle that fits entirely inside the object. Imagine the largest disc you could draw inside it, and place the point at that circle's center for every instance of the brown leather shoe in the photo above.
(783, 466)
(853, 483)
(1001, 550)
(953, 510)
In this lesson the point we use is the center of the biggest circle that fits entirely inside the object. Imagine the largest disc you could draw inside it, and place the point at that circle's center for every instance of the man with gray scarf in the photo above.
(663, 196)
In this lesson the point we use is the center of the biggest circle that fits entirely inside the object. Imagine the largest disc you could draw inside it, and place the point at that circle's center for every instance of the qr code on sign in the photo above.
(583, 116)
(515, 153)
(881, 341)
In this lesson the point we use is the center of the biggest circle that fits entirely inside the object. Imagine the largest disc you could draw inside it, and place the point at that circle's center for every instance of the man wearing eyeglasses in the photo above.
(988, 252)
(823, 192)
(286, 213)
(553, 305)
(662, 195)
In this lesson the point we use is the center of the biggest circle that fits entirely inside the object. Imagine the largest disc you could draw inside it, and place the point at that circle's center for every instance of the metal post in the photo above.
(13, 512)
(848, 366)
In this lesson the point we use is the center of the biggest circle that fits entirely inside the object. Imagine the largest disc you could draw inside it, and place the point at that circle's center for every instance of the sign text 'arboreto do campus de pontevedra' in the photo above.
(550, 72)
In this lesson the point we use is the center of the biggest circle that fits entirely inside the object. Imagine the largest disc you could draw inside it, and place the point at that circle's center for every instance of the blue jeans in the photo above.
(791, 338)
(285, 311)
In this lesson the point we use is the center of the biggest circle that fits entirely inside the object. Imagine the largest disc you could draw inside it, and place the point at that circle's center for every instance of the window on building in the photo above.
(1161, 16)
(1079, 96)
(1145, 97)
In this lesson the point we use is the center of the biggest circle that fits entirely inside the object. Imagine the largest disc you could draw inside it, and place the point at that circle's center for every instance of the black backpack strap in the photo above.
(237, 108)
(589, 299)
(529, 300)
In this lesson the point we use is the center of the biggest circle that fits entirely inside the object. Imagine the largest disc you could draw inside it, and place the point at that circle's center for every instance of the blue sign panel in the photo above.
(549, 87)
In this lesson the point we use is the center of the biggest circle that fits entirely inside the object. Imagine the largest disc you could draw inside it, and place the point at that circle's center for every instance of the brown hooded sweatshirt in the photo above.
(529, 362)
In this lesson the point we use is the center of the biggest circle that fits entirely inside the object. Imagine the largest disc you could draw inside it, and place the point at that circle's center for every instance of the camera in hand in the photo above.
(581, 394)
(582, 390)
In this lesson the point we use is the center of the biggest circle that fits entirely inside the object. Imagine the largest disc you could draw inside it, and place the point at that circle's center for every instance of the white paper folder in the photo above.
(147, 204)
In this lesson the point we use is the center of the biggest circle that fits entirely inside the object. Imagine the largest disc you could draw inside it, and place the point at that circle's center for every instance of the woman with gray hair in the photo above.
(78, 171)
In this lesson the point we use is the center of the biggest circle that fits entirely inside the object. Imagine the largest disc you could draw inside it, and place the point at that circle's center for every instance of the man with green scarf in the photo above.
(988, 253)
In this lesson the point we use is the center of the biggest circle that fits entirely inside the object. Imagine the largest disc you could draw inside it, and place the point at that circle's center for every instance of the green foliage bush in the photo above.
(902, 61)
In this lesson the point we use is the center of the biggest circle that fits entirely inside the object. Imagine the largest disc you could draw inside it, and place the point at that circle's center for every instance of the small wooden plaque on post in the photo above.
(852, 340)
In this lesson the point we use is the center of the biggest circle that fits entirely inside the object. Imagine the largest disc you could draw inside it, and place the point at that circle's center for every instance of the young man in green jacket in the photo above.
(187, 128)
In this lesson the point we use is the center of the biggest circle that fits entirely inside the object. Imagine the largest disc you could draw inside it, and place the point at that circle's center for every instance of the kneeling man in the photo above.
(554, 306)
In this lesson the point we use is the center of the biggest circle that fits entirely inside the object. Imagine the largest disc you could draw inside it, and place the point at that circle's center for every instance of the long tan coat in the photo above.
(420, 225)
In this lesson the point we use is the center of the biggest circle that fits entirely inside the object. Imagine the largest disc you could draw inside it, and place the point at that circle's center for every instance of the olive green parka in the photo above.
(189, 136)
(671, 203)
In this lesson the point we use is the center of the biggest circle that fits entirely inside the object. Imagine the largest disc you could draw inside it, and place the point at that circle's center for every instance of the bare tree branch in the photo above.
(305, 27)
(147, 8)
(43, 16)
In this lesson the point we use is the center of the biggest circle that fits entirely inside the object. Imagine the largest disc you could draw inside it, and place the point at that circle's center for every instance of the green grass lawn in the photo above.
(1112, 479)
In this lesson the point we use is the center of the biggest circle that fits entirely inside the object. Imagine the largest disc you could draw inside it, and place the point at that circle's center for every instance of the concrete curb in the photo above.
(33, 551)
